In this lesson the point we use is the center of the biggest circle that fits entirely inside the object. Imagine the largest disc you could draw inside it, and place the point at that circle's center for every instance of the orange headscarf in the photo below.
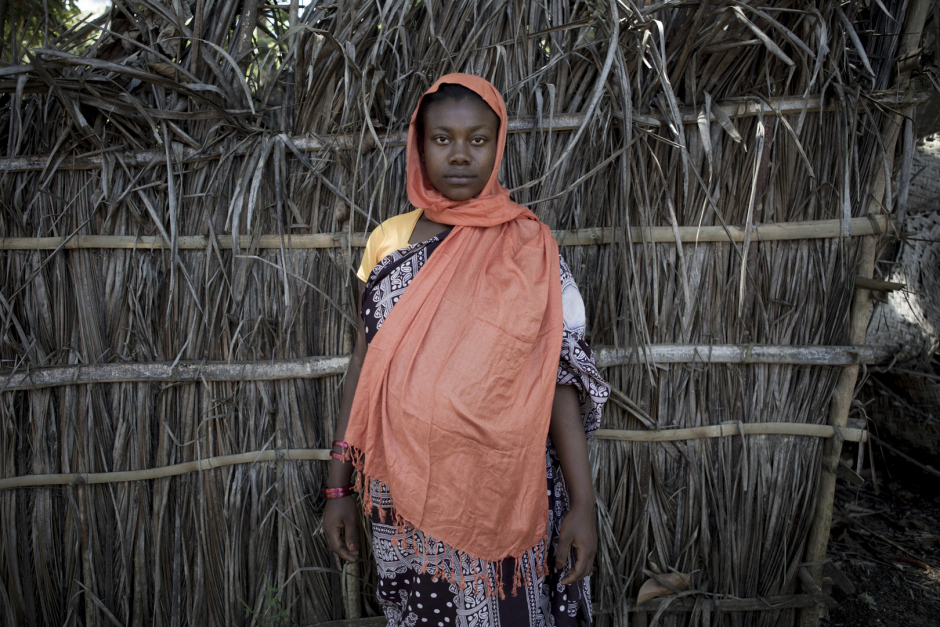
(454, 399)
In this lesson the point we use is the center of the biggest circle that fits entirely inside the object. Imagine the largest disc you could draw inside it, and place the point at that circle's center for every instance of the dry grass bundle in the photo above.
(236, 81)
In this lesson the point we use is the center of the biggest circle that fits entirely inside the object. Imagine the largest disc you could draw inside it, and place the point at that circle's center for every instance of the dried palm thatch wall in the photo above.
(177, 311)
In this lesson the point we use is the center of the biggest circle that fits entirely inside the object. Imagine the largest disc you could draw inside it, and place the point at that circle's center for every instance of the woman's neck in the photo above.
(426, 228)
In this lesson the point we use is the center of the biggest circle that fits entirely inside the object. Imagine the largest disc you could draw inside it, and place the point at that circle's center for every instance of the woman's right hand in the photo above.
(341, 516)
(341, 526)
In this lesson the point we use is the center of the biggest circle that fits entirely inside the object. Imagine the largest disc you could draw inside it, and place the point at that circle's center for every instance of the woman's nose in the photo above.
(460, 152)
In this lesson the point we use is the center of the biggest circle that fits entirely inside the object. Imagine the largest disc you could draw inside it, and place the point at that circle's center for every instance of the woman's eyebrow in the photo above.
(471, 129)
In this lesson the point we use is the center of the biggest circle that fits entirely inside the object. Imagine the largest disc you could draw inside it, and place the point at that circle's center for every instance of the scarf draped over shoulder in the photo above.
(453, 404)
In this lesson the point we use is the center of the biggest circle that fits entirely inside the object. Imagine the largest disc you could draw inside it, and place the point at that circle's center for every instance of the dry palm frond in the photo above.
(235, 78)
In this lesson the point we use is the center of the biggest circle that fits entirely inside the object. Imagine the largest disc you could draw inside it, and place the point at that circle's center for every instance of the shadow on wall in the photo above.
(927, 116)
(905, 328)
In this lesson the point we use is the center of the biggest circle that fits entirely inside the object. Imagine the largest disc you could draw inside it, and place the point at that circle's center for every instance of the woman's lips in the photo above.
(459, 179)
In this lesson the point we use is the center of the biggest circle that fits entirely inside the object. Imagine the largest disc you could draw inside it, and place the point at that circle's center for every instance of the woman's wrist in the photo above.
(340, 474)
(583, 501)
(339, 493)
(341, 468)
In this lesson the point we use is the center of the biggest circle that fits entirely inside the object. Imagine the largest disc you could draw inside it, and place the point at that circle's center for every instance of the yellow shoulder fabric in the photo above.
(386, 239)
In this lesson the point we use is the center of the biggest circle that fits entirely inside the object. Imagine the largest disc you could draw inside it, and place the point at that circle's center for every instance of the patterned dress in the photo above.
(408, 591)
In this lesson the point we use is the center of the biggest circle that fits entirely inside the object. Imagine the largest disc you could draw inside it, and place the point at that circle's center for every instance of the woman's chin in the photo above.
(461, 193)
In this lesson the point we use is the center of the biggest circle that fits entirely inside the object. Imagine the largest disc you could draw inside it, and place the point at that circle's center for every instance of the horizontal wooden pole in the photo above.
(315, 367)
(769, 232)
(759, 604)
(735, 354)
(162, 472)
(690, 115)
(185, 242)
(222, 461)
(792, 105)
(810, 229)
(848, 434)
(866, 283)
(183, 371)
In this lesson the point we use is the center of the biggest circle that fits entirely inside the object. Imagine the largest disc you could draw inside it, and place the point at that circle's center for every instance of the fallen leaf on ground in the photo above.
(652, 589)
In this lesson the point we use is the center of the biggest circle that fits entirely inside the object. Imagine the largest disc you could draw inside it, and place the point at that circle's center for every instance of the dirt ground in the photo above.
(887, 543)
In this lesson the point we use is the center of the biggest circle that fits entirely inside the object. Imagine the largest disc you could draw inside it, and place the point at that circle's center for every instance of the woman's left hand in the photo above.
(578, 530)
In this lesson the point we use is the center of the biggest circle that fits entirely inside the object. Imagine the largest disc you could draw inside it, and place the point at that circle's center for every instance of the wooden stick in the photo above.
(185, 242)
(316, 367)
(162, 472)
(930, 470)
(735, 354)
(875, 285)
(810, 229)
(840, 403)
(790, 105)
(209, 463)
(759, 604)
(913, 373)
(860, 315)
(732, 429)
(887, 540)
(184, 371)
(736, 109)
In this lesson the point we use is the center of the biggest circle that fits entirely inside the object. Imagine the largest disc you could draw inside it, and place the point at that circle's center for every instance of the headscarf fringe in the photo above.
(443, 562)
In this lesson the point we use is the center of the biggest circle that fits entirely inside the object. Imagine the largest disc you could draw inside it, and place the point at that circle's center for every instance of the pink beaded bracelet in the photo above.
(338, 493)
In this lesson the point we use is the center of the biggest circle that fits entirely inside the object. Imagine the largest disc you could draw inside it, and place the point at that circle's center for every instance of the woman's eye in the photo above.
(478, 141)
(440, 140)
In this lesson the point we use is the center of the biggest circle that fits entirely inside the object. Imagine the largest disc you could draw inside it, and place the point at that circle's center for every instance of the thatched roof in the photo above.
(231, 121)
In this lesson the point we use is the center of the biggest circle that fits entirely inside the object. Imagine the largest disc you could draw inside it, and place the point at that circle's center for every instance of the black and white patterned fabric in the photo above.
(389, 278)
(576, 365)
(408, 591)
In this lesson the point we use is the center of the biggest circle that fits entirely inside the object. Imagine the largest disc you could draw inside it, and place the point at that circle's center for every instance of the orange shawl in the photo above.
(454, 400)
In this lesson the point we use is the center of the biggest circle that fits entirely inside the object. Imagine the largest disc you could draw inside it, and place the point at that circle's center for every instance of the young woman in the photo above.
(469, 394)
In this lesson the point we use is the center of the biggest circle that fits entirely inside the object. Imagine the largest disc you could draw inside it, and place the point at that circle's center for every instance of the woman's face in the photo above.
(459, 146)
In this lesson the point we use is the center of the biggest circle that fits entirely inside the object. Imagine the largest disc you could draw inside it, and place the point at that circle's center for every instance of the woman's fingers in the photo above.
(580, 536)
(564, 546)
(566, 540)
(345, 542)
(583, 564)
(341, 528)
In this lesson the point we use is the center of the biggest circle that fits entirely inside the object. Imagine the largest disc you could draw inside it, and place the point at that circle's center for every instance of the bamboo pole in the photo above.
(734, 354)
(689, 115)
(687, 604)
(875, 285)
(183, 371)
(818, 540)
(316, 367)
(274, 455)
(838, 416)
(849, 434)
(804, 230)
(185, 242)
(759, 604)
(351, 580)
(162, 472)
